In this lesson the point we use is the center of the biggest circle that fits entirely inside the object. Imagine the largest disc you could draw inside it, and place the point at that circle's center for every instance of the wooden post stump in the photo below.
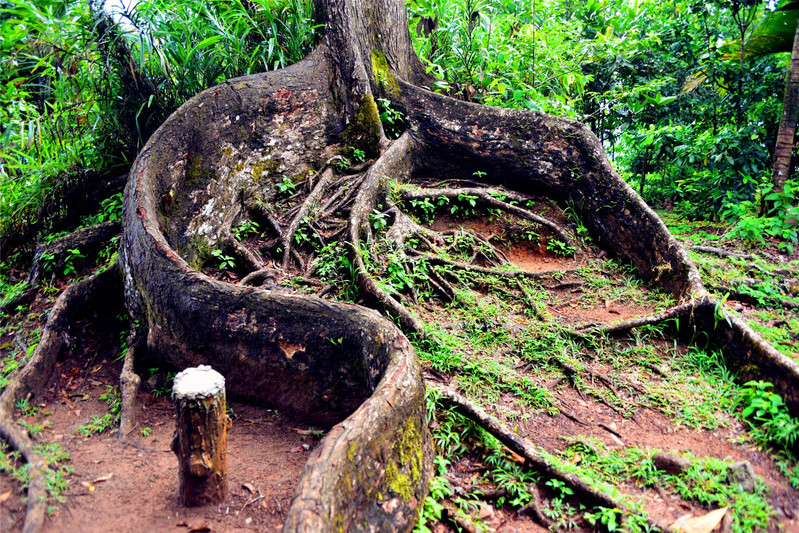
(200, 439)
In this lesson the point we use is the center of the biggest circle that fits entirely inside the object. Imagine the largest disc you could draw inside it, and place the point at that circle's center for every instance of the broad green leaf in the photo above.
(773, 34)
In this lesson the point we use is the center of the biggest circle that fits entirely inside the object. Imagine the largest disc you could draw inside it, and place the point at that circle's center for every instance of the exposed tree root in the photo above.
(305, 208)
(87, 240)
(616, 328)
(722, 252)
(373, 189)
(129, 383)
(261, 275)
(244, 255)
(24, 298)
(434, 259)
(457, 518)
(523, 448)
(490, 198)
(533, 509)
(530, 302)
(737, 295)
(35, 375)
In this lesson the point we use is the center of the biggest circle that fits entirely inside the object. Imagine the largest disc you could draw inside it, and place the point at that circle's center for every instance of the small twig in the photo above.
(250, 502)
(661, 493)
(572, 417)
(610, 430)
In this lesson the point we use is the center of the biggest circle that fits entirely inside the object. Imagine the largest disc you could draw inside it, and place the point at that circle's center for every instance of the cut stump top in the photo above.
(198, 382)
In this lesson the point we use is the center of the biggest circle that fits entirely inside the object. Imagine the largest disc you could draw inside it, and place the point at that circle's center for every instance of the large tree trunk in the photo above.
(220, 159)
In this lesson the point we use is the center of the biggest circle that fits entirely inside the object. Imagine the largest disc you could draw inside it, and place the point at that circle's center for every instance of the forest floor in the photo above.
(596, 405)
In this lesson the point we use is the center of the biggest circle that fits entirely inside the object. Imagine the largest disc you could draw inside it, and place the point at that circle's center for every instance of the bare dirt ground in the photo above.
(133, 487)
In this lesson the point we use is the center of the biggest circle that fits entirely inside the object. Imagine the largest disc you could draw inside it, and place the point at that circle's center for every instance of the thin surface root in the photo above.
(490, 198)
(35, 375)
(678, 311)
(129, 383)
(524, 448)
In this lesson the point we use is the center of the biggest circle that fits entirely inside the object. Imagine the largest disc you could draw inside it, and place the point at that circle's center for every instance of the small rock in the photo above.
(486, 512)
(670, 463)
(742, 474)
(391, 505)
(155, 381)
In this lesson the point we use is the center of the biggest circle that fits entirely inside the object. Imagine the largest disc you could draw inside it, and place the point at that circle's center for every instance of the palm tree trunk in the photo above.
(785, 135)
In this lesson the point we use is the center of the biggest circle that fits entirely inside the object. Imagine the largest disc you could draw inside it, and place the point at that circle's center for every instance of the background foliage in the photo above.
(620, 66)
(83, 85)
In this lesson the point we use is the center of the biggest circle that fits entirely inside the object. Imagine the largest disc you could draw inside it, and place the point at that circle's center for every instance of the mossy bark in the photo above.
(338, 364)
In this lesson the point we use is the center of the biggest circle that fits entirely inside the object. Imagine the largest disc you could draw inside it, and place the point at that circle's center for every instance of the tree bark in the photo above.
(783, 153)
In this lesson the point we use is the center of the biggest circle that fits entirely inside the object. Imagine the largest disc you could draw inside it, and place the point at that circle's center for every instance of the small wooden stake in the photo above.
(200, 439)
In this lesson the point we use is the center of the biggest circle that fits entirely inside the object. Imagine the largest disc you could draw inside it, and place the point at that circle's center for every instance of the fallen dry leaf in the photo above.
(103, 478)
(515, 457)
(699, 524)
(249, 487)
(4, 497)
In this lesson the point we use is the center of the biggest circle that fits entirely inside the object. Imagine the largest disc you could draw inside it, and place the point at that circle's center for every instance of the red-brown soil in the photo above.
(133, 487)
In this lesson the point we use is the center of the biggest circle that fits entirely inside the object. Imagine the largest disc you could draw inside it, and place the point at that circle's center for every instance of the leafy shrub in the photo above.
(767, 414)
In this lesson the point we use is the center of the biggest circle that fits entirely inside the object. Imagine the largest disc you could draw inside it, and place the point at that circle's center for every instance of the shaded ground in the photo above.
(116, 487)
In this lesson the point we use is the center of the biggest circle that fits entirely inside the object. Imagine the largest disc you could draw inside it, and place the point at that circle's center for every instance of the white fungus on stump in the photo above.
(200, 439)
